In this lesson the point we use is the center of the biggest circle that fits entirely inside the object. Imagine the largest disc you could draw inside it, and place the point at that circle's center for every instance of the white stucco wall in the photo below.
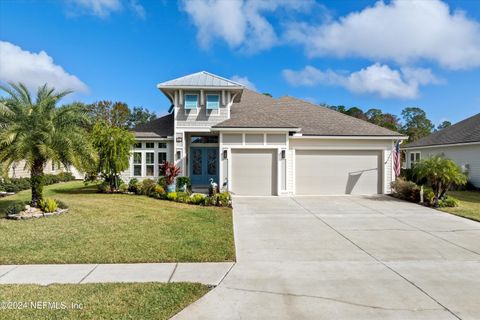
(463, 155)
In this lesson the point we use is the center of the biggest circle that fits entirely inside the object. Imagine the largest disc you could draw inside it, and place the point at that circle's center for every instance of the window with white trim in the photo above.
(137, 145)
(149, 163)
(162, 156)
(415, 157)
(150, 145)
(162, 145)
(213, 101)
(137, 164)
(191, 101)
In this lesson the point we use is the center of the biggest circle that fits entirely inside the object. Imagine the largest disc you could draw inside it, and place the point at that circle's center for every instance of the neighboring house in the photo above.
(252, 144)
(459, 142)
(18, 170)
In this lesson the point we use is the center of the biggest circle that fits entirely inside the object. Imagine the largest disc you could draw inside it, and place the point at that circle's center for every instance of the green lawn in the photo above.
(106, 228)
(99, 301)
(469, 204)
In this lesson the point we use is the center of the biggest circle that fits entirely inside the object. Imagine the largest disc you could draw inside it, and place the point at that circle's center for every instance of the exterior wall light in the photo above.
(179, 155)
(225, 154)
(283, 154)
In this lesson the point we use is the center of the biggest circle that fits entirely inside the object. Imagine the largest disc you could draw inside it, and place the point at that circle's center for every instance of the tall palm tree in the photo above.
(38, 131)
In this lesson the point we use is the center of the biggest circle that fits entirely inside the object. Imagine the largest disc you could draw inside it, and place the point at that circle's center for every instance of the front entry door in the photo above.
(203, 165)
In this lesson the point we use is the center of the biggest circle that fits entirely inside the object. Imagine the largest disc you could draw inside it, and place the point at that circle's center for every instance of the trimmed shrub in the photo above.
(198, 199)
(48, 205)
(103, 187)
(161, 182)
(184, 181)
(123, 188)
(148, 186)
(448, 201)
(183, 197)
(428, 196)
(133, 185)
(406, 190)
(224, 199)
(172, 196)
(61, 204)
(19, 184)
(66, 176)
(15, 208)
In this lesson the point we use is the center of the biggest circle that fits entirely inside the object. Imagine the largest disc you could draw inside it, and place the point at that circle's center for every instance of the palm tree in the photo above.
(38, 131)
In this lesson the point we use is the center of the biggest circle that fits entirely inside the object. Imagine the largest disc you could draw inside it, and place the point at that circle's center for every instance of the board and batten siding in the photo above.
(385, 146)
(467, 156)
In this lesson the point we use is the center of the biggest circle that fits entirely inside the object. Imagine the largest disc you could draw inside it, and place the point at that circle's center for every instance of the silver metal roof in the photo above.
(200, 79)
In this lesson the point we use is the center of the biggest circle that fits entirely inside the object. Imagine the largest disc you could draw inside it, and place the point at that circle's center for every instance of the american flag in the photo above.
(396, 159)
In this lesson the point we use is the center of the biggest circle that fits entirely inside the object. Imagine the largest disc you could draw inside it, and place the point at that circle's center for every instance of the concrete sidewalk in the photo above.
(44, 274)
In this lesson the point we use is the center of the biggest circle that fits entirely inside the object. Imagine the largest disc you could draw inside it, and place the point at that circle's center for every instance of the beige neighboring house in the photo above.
(459, 142)
(252, 144)
(18, 170)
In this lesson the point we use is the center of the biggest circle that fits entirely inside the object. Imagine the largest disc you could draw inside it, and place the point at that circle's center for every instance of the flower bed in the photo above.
(48, 207)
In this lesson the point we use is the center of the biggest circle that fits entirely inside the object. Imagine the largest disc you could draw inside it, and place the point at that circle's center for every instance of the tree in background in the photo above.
(113, 145)
(36, 130)
(386, 120)
(118, 114)
(356, 113)
(443, 125)
(416, 125)
(441, 174)
(140, 115)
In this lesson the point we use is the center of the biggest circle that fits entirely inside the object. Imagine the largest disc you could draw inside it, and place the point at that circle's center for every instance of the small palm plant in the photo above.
(36, 130)
(441, 174)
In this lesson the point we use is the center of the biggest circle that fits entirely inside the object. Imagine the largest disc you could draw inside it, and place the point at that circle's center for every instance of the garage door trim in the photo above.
(382, 174)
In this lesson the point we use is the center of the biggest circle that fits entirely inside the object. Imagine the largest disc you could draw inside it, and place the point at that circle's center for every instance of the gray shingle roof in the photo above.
(158, 128)
(465, 131)
(200, 79)
(257, 110)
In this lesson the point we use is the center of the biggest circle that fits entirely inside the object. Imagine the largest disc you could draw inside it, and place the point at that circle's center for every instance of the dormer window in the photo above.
(213, 101)
(191, 101)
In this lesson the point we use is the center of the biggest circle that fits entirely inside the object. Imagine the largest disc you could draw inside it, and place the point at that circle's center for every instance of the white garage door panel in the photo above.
(253, 172)
(337, 172)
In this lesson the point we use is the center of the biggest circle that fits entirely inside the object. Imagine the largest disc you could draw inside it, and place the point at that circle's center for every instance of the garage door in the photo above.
(254, 172)
(337, 172)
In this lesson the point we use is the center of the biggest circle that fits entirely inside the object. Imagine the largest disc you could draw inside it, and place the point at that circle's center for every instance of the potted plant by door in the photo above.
(170, 171)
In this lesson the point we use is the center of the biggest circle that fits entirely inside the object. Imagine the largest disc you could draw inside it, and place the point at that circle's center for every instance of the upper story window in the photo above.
(150, 145)
(138, 145)
(191, 101)
(213, 101)
(162, 145)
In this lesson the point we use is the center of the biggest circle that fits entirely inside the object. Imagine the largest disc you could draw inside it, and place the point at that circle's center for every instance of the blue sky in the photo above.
(387, 55)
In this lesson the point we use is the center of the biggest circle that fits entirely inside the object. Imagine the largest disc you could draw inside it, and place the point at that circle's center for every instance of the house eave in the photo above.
(357, 137)
(442, 145)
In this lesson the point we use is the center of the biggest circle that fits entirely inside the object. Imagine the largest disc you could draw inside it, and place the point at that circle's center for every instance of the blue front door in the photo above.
(203, 165)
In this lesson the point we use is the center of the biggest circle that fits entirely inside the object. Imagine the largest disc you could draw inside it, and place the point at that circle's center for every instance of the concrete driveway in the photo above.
(346, 257)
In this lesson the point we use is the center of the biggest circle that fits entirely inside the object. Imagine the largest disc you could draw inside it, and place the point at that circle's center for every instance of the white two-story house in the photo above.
(252, 144)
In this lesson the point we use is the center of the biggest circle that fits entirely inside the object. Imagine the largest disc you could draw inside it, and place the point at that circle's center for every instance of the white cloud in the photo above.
(240, 23)
(376, 79)
(245, 81)
(400, 31)
(35, 69)
(101, 8)
(137, 8)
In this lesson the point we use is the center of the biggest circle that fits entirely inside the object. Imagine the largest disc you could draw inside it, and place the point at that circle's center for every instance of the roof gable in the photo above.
(465, 131)
(201, 79)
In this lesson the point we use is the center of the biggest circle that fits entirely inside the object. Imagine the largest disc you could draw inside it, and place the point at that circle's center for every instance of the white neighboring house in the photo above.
(459, 142)
(252, 144)
(18, 170)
